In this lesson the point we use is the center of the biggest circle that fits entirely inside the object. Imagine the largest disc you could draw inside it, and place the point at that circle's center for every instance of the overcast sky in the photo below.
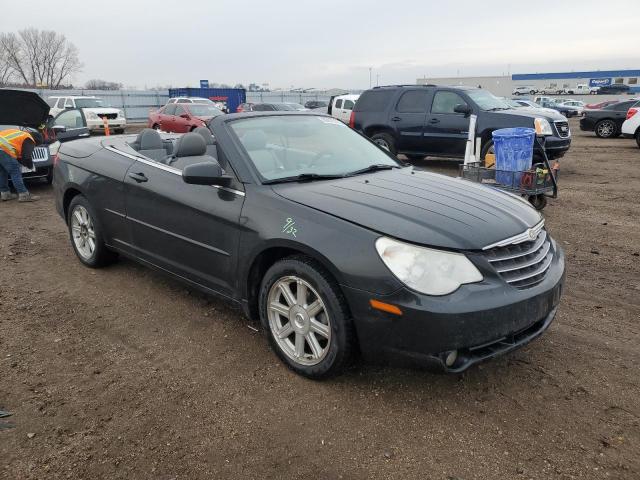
(333, 43)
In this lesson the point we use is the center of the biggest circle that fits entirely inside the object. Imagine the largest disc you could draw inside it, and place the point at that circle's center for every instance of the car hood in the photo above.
(21, 108)
(547, 113)
(419, 207)
(100, 110)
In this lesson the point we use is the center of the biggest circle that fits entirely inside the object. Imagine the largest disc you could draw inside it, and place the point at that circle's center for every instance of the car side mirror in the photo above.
(462, 108)
(59, 128)
(205, 173)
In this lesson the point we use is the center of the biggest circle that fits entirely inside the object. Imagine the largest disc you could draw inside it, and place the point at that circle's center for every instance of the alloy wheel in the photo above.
(299, 320)
(82, 229)
(381, 142)
(606, 129)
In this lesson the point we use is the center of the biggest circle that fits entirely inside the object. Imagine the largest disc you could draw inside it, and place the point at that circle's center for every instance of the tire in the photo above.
(485, 149)
(538, 201)
(119, 131)
(532, 92)
(638, 138)
(606, 129)
(386, 141)
(85, 231)
(49, 178)
(290, 327)
(156, 127)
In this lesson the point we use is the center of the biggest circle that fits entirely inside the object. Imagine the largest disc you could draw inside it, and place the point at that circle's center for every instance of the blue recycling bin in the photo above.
(514, 153)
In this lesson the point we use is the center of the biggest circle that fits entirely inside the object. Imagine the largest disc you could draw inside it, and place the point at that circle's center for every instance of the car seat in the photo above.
(265, 160)
(190, 149)
(205, 133)
(149, 143)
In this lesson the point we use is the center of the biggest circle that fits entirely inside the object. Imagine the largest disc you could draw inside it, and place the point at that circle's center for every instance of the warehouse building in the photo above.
(503, 85)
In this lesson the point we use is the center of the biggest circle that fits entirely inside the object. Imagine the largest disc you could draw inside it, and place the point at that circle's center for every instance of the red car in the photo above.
(244, 107)
(598, 106)
(182, 117)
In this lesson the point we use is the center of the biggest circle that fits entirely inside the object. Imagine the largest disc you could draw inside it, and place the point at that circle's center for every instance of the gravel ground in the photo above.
(123, 373)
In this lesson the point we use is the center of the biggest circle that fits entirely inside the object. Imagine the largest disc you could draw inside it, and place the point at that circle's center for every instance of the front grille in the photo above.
(563, 129)
(110, 116)
(525, 264)
(40, 154)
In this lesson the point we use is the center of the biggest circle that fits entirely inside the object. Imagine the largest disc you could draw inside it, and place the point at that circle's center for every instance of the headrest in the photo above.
(190, 145)
(149, 139)
(205, 133)
(254, 140)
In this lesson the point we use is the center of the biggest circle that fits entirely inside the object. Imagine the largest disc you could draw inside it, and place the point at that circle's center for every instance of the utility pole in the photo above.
(370, 68)
(377, 79)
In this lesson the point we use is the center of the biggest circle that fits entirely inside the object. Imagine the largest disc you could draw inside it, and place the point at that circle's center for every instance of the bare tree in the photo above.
(97, 84)
(6, 72)
(40, 57)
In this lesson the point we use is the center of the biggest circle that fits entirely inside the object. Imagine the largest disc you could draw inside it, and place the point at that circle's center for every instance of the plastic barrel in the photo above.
(514, 153)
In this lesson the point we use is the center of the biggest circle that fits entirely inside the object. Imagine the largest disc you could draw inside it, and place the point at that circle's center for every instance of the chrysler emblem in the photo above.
(532, 234)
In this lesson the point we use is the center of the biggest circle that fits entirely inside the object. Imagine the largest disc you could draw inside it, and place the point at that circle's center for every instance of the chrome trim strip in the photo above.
(545, 266)
(540, 255)
(526, 236)
(168, 169)
(542, 237)
(113, 212)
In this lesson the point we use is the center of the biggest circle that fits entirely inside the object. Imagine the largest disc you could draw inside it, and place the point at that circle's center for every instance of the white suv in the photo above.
(524, 90)
(94, 111)
(631, 126)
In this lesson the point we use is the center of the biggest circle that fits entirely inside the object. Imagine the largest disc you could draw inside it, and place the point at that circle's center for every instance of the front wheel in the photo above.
(538, 201)
(606, 129)
(306, 318)
(386, 141)
(86, 234)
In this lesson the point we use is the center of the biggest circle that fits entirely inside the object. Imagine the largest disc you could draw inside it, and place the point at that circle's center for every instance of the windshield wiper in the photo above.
(372, 168)
(303, 177)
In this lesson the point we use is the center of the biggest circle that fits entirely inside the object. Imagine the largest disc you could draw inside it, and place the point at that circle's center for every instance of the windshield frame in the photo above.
(248, 165)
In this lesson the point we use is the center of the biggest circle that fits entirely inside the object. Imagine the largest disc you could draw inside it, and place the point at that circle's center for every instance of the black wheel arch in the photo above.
(375, 129)
(70, 192)
(268, 255)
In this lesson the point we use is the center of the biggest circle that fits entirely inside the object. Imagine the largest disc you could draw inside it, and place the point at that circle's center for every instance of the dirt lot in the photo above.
(123, 373)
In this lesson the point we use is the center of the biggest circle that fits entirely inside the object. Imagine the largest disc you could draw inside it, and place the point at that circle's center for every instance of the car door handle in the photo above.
(395, 119)
(434, 120)
(139, 177)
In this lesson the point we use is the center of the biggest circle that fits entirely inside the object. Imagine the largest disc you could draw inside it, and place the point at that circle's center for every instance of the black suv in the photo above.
(420, 120)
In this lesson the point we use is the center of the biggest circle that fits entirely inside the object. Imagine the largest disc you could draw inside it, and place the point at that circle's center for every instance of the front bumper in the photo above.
(555, 146)
(98, 125)
(478, 321)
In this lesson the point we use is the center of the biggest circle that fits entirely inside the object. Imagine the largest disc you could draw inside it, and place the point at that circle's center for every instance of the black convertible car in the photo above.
(325, 237)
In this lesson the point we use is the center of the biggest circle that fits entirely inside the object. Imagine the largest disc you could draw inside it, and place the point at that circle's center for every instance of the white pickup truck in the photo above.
(581, 89)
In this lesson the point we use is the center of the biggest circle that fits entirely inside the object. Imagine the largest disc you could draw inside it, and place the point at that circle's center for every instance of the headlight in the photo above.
(433, 272)
(543, 127)
(54, 147)
(91, 116)
(121, 113)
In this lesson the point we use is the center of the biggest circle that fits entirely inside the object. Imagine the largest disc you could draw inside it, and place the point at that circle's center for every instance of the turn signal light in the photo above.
(631, 112)
(385, 307)
(352, 119)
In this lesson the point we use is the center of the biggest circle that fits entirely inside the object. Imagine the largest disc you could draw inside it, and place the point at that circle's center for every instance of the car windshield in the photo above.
(512, 103)
(286, 147)
(89, 103)
(202, 101)
(487, 101)
(200, 110)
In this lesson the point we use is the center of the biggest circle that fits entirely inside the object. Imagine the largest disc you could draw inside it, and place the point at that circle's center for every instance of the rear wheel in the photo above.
(156, 127)
(385, 141)
(638, 138)
(86, 234)
(606, 129)
(306, 317)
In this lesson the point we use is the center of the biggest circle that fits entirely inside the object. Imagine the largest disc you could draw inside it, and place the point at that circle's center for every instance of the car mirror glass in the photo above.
(462, 108)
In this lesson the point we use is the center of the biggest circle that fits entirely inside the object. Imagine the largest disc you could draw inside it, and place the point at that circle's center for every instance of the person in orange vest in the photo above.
(16, 149)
